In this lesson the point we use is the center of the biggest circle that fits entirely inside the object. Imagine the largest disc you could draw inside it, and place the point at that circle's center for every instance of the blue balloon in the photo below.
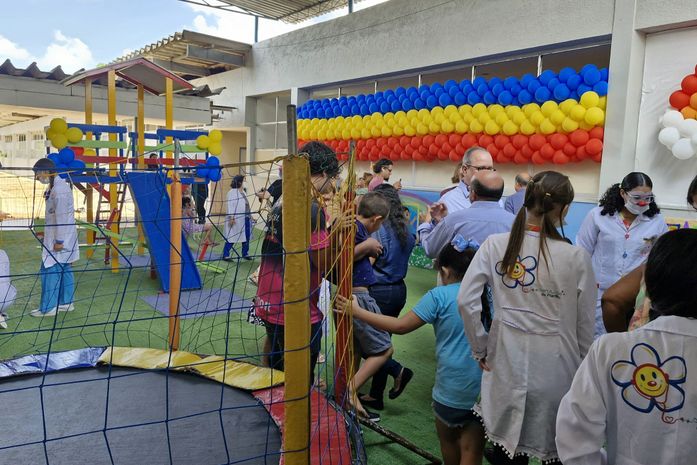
(395, 106)
(321, 114)
(533, 86)
(432, 101)
(66, 155)
(412, 90)
(566, 73)
(465, 83)
(439, 91)
(489, 98)
(505, 98)
(54, 158)
(424, 94)
(600, 88)
(400, 91)
(202, 172)
(213, 161)
(509, 82)
(364, 110)
(450, 83)
(360, 98)
(355, 110)
(482, 89)
(524, 97)
(312, 114)
(460, 99)
(586, 68)
(390, 98)
(573, 95)
(542, 95)
(390, 93)
(554, 82)
(582, 89)
(454, 90)
(473, 98)
(379, 95)
(603, 74)
(478, 81)
(346, 111)
(592, 76)
(493, 81)
(526, 79)
(407, 105)
(373, 108)
(424, 87)
(384, 107)
(515, 90)
(369, 99)
(419, 104)
(413, 97)
(561, 92)
(497, 88)
(215, 175)
(573, 81)
(467, 88)
(445, 100)
(76, 165)
(546, 76)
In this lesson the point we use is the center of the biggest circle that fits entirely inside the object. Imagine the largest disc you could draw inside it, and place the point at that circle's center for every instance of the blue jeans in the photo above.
(391, 299)
(57, 286)
(245, 245)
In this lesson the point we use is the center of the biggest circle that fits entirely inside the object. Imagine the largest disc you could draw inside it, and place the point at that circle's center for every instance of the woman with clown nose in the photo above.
(620, 232)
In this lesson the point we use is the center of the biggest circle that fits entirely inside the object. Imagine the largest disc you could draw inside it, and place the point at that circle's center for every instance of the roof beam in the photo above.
(214, 56)
(180, 68)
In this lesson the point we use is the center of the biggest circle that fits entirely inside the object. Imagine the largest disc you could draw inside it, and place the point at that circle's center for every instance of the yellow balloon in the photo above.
(447, 127)
(537, 118)
(519, 117)
(585, 126)
(321, 135)
(478, 109)
(411, 114)
(215, 148)
(590, 99)
(455, 117)
(58, 125)
(491, 127)
(484, 118)
(501, 118)
(203, 142)
(356, 133)
(375, 132)
(90, 152)
(461, 127)
(602, 103)
(346, 134)
(476, 127)
(397, 131)
(337, 120)
(421, 129)
(531, 108)
(366, 133)
(59, 141)
(567, 105)
(434, 128)
(409, 130)
(355, 119)
(388, 116)
(424, 113)
(468, 118)
(215, 135)
(437, 110)
(509, 128)
(439, 118)
(313, 134)
(547, 127)
(386, 131)
(549, 107)
(464, 109)
(449, 110)
(427, 120)
(400, 114)
(577, 113)
(557, 117)
(527, 128)
(495, 109)
(569, 125)
(50, 133)
(594, 116)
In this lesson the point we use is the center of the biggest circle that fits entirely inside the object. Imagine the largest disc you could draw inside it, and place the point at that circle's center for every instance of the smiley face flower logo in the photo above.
(522, 274)
(648, 383)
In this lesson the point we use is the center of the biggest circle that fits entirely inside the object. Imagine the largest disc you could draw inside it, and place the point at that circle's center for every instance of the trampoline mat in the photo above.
(136, 433)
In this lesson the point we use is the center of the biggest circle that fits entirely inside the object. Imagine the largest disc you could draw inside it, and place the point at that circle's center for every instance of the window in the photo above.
(22, 138)
(37, 136)
(271, 121)
(8, 139)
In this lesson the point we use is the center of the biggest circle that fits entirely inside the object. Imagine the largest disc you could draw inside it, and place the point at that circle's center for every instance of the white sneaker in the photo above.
(3, 322)
(39, 314)
(66, 307)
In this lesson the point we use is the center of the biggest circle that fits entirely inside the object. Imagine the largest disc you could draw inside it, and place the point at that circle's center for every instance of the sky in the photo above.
(84, 33)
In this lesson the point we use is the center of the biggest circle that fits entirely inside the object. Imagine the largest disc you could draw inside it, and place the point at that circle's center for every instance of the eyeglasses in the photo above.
(648, 198)
(388, 169)
(481, 168)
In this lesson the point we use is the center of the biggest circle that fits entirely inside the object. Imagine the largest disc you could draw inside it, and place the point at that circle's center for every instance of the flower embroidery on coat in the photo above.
(522, 274)
(647, 382)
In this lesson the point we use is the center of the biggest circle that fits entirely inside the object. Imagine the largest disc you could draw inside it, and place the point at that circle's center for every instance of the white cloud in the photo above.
(69, 52)
(8, 49)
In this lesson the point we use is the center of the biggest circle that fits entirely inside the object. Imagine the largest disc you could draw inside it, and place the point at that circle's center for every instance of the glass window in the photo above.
(324, 92)
(576, 59)
(22, 138)
(504, 69)
(8, 139)
(457, 74)
(355, 89)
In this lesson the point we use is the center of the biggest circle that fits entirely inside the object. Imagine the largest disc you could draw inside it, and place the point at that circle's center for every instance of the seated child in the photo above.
(7, 290)
(458, 375)
(374, 345)
(190, 225)
(635, 392)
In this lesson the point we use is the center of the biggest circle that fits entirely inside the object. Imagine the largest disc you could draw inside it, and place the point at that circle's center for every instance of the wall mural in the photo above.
(552, 118)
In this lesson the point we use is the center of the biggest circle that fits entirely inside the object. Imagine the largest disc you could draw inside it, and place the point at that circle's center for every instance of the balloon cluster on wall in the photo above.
(453, 117)
(212, 143)
(60, 135)
(210, 170)
(65, 162)
(679, 131)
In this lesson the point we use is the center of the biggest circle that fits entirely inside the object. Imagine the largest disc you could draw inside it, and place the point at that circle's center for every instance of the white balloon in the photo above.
(693, 139)
(682, 149)
(688, 127)
(668, 136)
(672, 119)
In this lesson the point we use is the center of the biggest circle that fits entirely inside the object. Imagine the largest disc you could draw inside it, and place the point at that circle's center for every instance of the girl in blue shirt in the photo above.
(458, 375)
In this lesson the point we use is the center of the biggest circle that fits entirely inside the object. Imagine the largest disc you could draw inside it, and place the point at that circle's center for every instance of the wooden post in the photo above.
(140, 128)
(175, 257)
(169, 112)
(113, 171)
(296, 308)
(88, 188)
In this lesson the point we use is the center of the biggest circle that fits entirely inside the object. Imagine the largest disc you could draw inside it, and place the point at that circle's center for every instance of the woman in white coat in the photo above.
(620, 232)
(60, 246)
(237, 220)
(636, 393)
(544, 298)
(7, 291)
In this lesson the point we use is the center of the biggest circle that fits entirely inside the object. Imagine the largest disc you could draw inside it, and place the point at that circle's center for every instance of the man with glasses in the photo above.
(476, 160)
(383, 170)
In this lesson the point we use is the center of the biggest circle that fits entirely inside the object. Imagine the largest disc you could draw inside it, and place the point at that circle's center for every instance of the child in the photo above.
(60, 245)
(374, 345)
(189, 224)
(458, 375)
(544, 293)
(7, 290)
(635, 392)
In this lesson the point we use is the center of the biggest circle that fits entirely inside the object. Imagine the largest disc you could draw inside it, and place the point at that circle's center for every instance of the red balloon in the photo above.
(454, 139)
(423, 150)
(560, 158)
(509, 150)
(454, 156)
(526, 151)
(386, 150)
(418, 157)
(433, 149)
(468, 140)
(579, 137)
(501, 141)
(392, 142)
(460, 150)
(415, 142)
(536, 141)
(441, 139)
(428, 140)
(409, 150)
(442, 155)
(537, 158)
(446, 147)
(360, 143)
(485, 140)
(547, 151)
(598, 158)
(679, 99)
(581, 153)
(362, 155)
(594, 147)
(520, 159)
(519, 141)
(78, 151)
(558, 140)
(405, 155)
(493, 150)
(597, 133)
(373, 156)
(380, 141)
(394, 156)
(569, 149)
(404, 141)
(689, 84)
(370, 143)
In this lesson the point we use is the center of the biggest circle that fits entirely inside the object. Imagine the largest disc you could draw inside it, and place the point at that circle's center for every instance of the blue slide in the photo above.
(151, 198)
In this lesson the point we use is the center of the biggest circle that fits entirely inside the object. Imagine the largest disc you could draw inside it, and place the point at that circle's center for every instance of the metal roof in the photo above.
(288, 11)
(192, 54)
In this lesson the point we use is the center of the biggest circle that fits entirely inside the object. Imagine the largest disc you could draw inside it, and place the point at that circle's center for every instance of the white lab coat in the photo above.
(60, 225)
(616, 250)
(237, 209)
(542, 328)
(605, 407)
(7, 290)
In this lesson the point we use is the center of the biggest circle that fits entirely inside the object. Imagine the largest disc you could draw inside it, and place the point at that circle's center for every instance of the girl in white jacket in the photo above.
(636, 392)
(544, 295)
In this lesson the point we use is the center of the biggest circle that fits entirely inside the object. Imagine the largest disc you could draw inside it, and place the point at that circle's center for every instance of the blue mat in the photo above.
(205, 302)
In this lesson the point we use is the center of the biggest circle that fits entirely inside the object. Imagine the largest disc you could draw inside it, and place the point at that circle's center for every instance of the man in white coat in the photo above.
(60, 246)
(237, 220)
(635, 393)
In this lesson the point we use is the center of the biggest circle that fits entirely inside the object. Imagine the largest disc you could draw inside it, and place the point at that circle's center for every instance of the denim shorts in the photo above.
(454, 417)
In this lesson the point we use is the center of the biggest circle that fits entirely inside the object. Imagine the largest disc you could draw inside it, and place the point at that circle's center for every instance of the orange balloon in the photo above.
(693, 100)
(689, 112)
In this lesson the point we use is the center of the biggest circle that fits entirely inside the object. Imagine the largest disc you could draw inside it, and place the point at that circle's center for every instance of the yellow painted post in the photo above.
(113, 188)
(88, 190)
(169, 111)
(140, 123)
(175, 261)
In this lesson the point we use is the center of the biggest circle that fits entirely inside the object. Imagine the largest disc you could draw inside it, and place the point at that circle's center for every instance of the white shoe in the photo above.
(3, 322)
(66, 307)
(39, 314)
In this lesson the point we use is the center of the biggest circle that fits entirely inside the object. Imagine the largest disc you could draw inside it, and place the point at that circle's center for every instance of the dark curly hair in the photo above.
(380, 164)
(396, 218)
(322, 159)
(612, 201)
(691, 192)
